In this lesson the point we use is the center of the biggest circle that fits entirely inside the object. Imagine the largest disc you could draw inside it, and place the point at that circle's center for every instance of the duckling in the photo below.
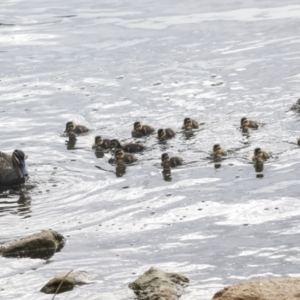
(12, 168)
(167, 161)
(298, 142)
(131, 147)
(164, 134)
(71, 127)
(101, 143)
(189, 124)
(121, 157)
(140, 130)
(245, 124)
(217, 152)
(260, 156)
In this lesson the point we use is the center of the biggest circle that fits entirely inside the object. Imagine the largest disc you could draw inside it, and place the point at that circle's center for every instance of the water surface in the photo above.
(108, 64)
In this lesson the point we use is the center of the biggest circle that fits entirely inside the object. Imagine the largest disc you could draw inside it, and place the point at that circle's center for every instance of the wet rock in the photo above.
(39, 245)
(156, 284)
(266, 289)
(296, 106)
(65, 282)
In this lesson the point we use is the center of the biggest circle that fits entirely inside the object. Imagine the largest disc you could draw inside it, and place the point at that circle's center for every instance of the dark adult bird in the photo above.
(12, 168)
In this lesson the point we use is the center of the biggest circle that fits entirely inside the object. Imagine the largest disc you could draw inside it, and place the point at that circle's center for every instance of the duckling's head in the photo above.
(216, 148)
(119, 154)
(244, 122)
(165, 157)
(98, 140)
(114, 144)
(18, 159)
(70, 126)
(137, 126)
(257, 151)
(161, 133)
(187, 123)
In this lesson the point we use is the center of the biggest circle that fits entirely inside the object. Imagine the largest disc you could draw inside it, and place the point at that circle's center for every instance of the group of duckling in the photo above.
(123, 153)
(13, 168)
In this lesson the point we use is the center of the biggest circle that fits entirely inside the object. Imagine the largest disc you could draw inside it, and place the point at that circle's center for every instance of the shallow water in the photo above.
(108, 64)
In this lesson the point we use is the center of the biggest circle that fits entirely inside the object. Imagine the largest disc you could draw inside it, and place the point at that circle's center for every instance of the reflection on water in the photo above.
(120, 169)
(99, 154)
(217, 165)
(15, 202)
(71, 142)
(167, 175)
(259, 167)
(189, 134)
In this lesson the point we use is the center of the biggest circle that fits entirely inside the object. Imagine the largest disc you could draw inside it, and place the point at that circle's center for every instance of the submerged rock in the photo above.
(65, 282)
(39, 245)
(156, 284)
(266, 289)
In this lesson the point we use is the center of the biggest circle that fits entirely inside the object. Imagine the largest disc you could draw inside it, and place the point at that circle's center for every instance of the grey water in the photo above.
(107, 64)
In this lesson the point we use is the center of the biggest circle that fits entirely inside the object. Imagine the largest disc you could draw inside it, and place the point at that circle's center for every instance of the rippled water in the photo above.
(108, 64)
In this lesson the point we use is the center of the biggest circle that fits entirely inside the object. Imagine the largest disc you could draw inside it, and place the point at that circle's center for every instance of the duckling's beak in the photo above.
(23, 168)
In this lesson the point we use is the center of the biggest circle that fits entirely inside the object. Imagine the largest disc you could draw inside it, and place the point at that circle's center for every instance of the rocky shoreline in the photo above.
(154, 284)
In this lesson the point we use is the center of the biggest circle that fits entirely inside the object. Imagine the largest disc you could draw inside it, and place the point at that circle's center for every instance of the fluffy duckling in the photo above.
(245, 124)
(140, 130)
(101, 143)
(167, 161)
(217, 152)
(164, 134)
(12, 168)
(131, 147)
(71, 127)
(260, 156)
(121, 157)
(189, 124)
